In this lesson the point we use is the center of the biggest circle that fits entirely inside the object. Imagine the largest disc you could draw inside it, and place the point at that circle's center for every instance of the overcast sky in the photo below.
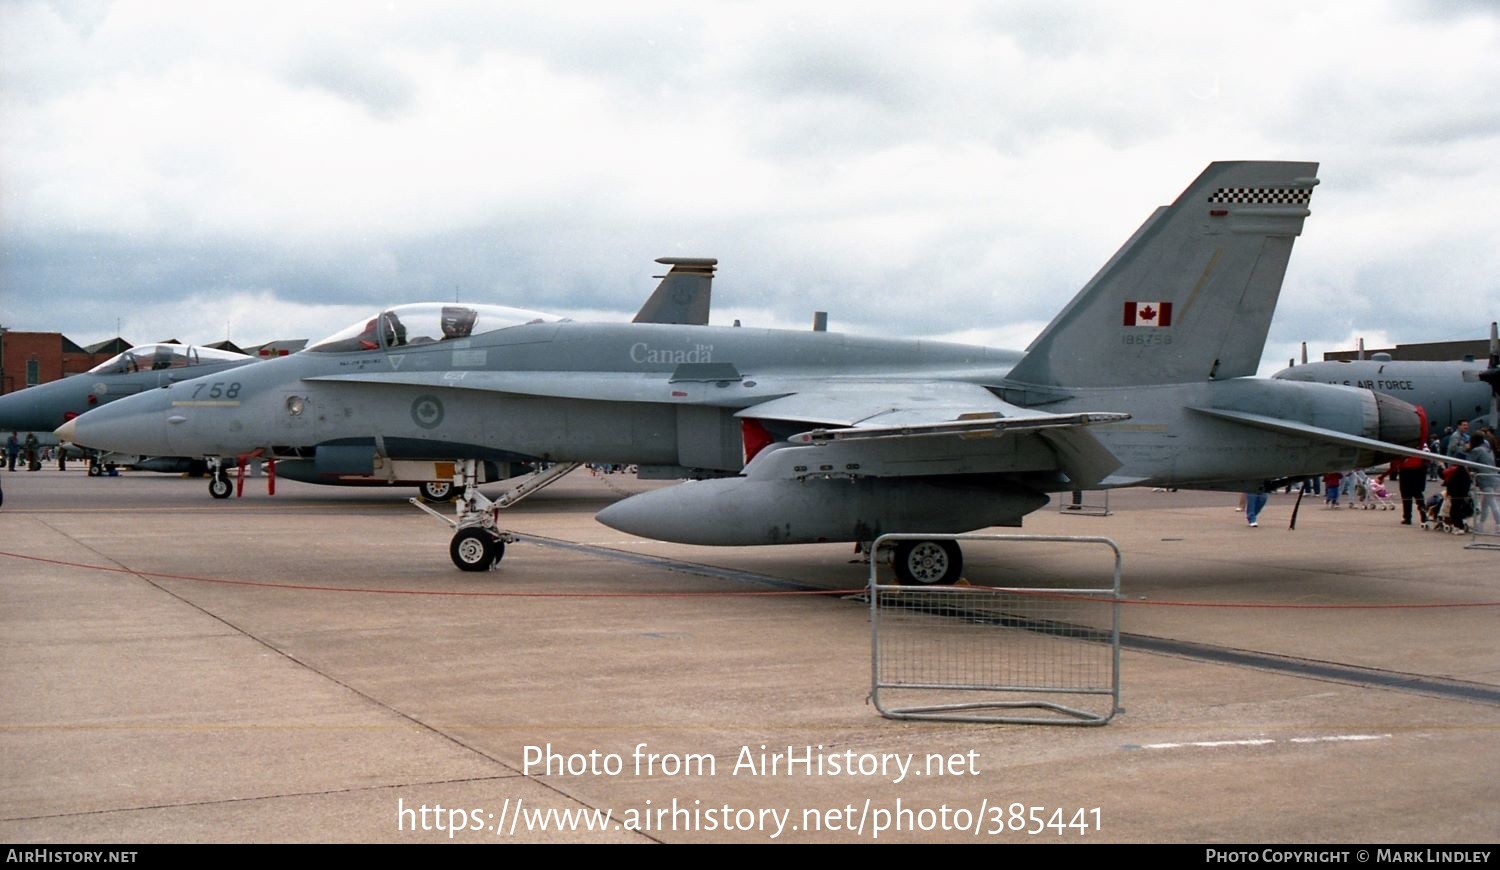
(271, 170)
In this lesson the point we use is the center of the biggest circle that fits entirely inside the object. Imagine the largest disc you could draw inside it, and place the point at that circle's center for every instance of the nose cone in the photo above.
(31, 409)
(136, 424)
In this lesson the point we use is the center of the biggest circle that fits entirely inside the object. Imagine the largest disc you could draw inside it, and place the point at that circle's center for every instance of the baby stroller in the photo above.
(1447, 513)
(1378, 497)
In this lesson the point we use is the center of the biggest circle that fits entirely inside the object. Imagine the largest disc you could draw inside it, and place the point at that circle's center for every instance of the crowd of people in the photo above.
(1463, 498)
(28, 451)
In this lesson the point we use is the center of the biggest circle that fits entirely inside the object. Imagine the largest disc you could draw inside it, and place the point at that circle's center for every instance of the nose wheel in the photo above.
(218, 478)
(476, 549)
(219, 485)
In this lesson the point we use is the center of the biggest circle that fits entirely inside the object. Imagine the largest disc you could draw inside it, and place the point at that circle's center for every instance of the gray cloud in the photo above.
(364, 80)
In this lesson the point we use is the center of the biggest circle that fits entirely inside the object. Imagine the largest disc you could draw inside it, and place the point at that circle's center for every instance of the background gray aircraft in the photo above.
(1146, 377)
(1448, 391)
(44, 407)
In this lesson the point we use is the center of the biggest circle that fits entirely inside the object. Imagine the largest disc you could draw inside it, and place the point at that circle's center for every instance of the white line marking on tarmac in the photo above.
(1219, 744)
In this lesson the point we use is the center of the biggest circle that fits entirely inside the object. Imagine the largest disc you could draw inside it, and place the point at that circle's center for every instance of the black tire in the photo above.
(95, 469)
(437, 491)
(475, 549)
(928, 563)
(219, 486)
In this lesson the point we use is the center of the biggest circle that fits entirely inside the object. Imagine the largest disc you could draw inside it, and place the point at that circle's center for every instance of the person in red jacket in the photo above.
(1411, 474)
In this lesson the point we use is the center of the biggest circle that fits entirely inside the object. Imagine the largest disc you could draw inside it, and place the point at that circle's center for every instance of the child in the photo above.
(1433, 517)
(1331, 482)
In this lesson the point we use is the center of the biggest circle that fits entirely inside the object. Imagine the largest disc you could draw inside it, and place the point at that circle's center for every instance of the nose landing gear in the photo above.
(478, 542)
(218, 478)
(219, 485)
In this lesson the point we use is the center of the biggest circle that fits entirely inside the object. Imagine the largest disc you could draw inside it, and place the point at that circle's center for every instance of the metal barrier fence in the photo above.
(987, 653)
(1484, 522)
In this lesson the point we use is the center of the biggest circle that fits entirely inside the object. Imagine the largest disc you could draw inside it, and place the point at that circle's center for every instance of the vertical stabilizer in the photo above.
(683, 295)
(1190, 296)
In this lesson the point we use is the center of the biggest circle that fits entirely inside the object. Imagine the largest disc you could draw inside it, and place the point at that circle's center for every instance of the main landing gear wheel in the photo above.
(219, 486)
(95, 469)
(928, 563)
(440, 491)
(475, 549)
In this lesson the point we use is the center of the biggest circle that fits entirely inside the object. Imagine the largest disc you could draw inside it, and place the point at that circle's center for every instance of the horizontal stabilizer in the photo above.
(1332, 436)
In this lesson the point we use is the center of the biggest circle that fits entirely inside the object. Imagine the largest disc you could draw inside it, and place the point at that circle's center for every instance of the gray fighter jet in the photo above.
(1145, 378)
(683, 297)
(44, 407)
(1449, 392)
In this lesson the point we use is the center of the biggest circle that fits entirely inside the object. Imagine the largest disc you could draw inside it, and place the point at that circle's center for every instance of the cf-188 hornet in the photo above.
(1145, 378)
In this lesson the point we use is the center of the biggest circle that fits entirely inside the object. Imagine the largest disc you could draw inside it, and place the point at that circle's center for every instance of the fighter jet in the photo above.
(1145, 378)
(1448, 391)
(44, 407)
(683, 297)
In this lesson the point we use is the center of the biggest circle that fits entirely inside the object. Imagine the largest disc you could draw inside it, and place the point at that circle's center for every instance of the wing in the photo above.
(1332, 436)
(925, 429)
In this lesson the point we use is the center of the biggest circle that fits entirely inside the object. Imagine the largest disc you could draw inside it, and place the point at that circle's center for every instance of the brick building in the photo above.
(30, 358)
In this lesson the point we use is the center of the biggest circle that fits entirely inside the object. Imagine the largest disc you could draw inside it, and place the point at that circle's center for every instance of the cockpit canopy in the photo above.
(426, 323)
(158, 357)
